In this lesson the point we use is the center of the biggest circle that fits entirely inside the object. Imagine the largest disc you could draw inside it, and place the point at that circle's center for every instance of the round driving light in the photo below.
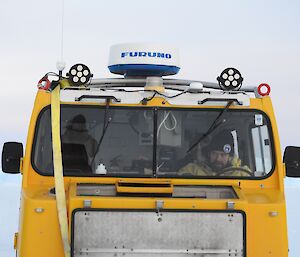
(225, 76)
(236, 76)
(73, 72)
(264, 89)
(234, 83)
(230, 79)
(79, 74)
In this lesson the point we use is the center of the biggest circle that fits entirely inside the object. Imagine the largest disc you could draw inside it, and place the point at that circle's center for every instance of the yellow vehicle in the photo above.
(149, 166)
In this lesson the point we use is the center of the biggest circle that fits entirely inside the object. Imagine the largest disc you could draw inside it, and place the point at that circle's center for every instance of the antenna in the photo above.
(60, 65)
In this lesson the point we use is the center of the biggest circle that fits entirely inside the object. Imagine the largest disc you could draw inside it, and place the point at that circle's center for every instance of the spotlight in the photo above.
(79, 74)
(230, 79)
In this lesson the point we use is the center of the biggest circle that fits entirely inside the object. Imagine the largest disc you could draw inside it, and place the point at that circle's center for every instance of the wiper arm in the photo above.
(217, 122)
(104, 129)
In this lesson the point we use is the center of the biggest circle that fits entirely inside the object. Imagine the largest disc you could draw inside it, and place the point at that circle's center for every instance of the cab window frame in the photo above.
(155, 110)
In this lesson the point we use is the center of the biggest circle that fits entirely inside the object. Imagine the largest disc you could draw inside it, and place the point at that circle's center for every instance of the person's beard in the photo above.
(217, 166)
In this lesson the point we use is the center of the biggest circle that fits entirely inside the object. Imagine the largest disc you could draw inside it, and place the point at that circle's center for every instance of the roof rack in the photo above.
(117, 82)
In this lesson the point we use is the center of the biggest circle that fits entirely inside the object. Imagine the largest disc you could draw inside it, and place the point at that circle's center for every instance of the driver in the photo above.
(216, 159)
(77, 133)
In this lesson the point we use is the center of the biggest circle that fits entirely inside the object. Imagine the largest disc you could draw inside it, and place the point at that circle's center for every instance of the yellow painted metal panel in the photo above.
(260, 200)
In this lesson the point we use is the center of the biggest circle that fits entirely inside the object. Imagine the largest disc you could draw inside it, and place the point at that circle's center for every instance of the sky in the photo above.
(260, 38)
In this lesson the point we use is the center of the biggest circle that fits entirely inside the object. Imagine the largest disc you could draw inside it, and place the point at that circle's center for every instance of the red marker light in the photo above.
(264, 89)
(44, 83)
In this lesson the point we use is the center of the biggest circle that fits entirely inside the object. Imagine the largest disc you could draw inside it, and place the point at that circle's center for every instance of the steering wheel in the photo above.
(231, 169)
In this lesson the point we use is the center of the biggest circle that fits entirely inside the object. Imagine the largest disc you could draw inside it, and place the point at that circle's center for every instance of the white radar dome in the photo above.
(143, 60)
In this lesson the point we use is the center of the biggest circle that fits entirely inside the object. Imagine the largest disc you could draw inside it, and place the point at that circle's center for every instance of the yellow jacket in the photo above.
(202, 169)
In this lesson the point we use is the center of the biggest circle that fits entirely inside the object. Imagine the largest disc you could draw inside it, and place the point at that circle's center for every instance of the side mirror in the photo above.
(12, 153)
(291, 158)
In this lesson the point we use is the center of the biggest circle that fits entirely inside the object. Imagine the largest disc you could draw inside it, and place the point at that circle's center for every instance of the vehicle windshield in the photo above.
(156, 142)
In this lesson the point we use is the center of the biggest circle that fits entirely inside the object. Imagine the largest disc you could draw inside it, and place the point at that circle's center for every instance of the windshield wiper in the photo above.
(217, 122)
(104, 129)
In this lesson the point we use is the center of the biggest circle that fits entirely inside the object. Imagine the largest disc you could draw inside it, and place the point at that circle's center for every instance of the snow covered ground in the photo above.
(9, 215)
(293, 215)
